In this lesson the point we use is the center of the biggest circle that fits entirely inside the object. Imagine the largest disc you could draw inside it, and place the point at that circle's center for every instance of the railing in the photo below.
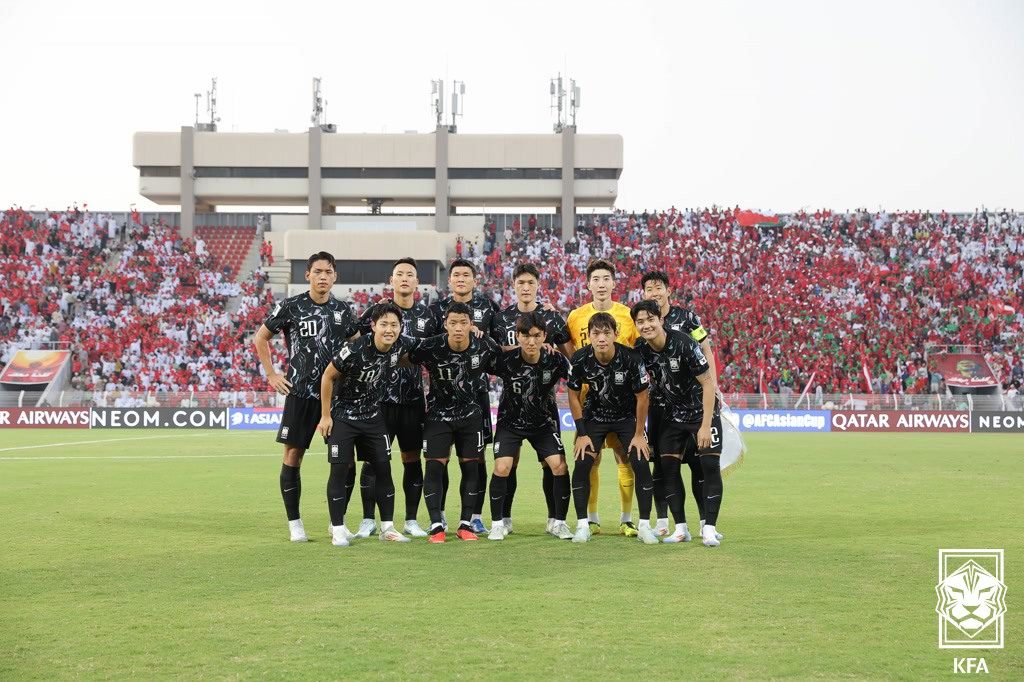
(746, 401)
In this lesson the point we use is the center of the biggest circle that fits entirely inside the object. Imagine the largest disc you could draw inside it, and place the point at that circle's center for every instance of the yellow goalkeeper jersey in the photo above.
(580, 317)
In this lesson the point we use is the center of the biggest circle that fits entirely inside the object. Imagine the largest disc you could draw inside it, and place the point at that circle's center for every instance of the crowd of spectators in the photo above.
(825, 294)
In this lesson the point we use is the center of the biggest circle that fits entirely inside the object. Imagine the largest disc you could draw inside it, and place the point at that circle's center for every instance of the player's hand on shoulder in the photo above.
(325, 426)
(279, 383)
(548, 307)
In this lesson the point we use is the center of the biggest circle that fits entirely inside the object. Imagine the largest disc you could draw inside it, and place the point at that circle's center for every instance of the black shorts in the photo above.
(599, 432)
(676, 438)
(367, 438)
(654, 421)
(405, 422)
(465, 434)
(546, 442)
(484, 401)
(298, 422)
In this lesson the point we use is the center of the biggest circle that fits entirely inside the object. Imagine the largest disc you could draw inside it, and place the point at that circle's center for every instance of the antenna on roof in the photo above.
(211, 109)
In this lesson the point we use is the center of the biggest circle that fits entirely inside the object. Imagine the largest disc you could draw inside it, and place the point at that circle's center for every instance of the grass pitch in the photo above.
(160, 554)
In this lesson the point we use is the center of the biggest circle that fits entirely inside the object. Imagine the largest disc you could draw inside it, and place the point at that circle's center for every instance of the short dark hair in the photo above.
(385, 308)
(526, 269)
(408, 260)
(319, 255)
(600, 264)
(654, 276)
(527, 321)
(649, 307)
(457, 308)
(602, 321)
(462, 263)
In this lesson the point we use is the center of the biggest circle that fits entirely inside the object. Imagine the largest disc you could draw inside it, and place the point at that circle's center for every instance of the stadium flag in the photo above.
(867, 376)
(753, 219)
(807, 387)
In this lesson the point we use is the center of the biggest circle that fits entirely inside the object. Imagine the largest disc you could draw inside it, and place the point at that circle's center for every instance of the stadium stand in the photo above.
(821, 293)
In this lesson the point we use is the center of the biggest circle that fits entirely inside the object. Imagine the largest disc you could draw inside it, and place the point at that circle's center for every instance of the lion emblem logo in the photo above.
(970, 599)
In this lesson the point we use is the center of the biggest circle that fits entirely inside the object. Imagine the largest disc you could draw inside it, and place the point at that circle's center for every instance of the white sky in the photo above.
(771, 105)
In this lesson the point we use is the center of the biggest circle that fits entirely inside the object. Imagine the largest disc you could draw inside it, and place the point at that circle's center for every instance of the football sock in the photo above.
(444, 489)
(696, 482)
(337, 492)
(499, 489)
(291, 490)
(595, 486)
(510, 492)
(712, 487)
(469, 488)
(626, 485)
(412, 486)
(658, 475)
(547, 484)
(433, 489)
(350, 484)
(581, 490)
(644, 485)
(560, 488)
(481, 482)
(384, 489)
(367, 490)
(674, 492)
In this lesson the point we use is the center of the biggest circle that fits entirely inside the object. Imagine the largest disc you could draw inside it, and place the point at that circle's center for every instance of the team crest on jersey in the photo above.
(345, 352)
(673, 364)
(394, 359)
(421, 325)
(337, 316)
(620, 377)
(474, 361)
(478, 315)
(547, 376)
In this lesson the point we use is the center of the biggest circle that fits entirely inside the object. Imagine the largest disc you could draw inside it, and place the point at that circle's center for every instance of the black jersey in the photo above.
(314, 332)
(365, 374)
(503, 326)
(528, 391)
(454, 375)
(613, 387)
(483, 312)
(674, 371)
(406, 386)
(686, 321)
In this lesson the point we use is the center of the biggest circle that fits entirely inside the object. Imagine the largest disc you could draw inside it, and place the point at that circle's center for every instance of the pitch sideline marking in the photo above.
(90, 442)
(74, 457)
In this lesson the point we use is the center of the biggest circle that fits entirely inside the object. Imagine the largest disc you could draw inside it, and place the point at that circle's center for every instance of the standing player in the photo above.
(462, 288)
(601, 282)
(655, 287)
(456, 361)
(616, 403)
(525, 281)
(528, 412)
(315, 325)
(691, 424)
(404, 405)
(355, 420)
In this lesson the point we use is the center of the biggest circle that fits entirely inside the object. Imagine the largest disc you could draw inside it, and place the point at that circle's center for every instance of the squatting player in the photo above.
(462, 288)
(616, 403)
(315, 325)
(525, 281)
(601, 283)
(691, 425)
(353, 421)
(456, 361)
(404, 405)
(655, 287)
(528, 412)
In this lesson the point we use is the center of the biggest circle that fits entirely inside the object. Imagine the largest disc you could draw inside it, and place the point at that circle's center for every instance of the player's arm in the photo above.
(583, 442)
(277, 381)
(709, 388)
(639, 442)
(331, 374)
(705, 346)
